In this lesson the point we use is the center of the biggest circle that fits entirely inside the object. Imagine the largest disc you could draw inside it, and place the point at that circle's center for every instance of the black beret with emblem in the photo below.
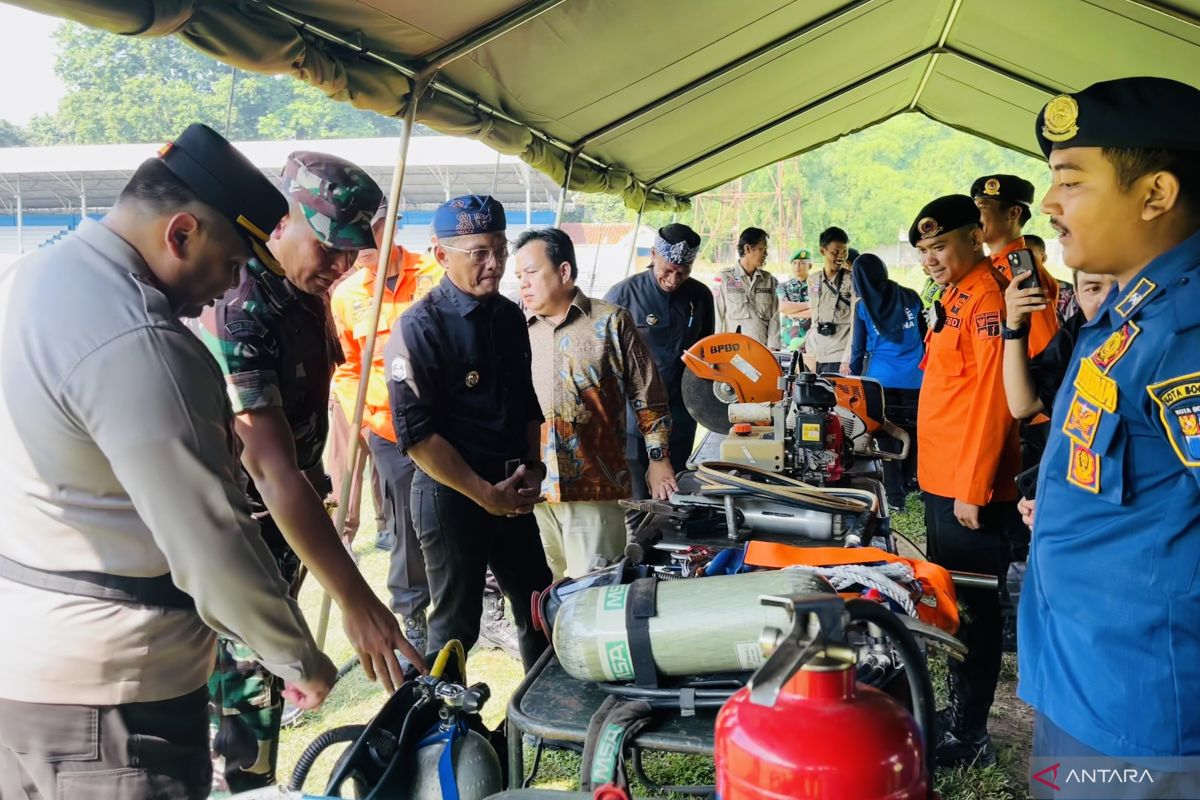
(1012, 188)
(942, 216)
(1144, 113)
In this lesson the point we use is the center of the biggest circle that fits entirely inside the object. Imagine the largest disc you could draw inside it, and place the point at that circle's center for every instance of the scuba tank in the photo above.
(684, 627)
(426, 742)
(804, 728)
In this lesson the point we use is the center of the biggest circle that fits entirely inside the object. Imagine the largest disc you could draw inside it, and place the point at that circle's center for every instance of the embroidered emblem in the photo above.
(991, 187)
(987, 325)
(1140, 291)
(399, 369)
(1178, 401)
(1114, 347)
(472, 379)
(1083, 418)
(928, 226)
(1084, 470)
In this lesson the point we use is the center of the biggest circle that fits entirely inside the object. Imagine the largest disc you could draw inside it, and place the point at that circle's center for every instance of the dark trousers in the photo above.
(987, 551)
(829, 366)
(460, 541)
(899, 476)
(407, 580)
(133, 751)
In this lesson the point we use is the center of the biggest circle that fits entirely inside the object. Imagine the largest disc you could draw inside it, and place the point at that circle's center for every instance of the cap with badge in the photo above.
(801, 255)
(1010, 188)
(221, 177)
(1143, 112)
(338, 198)
(469, 215)
(943, 215)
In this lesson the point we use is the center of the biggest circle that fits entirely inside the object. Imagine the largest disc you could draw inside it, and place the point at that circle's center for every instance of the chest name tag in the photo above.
(1178, 401)
(1095, 386)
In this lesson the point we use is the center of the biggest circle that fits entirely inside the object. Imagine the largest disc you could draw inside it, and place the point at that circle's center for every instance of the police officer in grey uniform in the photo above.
(126, 540)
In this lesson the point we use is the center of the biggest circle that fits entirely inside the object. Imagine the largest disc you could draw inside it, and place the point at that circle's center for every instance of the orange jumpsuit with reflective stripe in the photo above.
(968, 447)
(351, 309)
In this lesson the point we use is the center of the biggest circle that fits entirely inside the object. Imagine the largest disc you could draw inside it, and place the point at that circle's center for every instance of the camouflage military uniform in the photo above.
(278, 348)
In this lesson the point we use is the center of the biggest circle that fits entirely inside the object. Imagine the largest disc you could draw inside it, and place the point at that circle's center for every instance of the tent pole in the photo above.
(385, 258)
(20, 221)
(562, 198)
(637, 224)
(528, 196)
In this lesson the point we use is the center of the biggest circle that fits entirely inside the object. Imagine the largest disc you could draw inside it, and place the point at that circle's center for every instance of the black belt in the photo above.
(157, 591)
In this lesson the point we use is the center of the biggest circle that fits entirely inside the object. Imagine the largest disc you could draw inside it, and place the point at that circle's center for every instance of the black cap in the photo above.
(221, 177)
(943, 215)
(1004, 187)
(678, 232)
(1145, 113)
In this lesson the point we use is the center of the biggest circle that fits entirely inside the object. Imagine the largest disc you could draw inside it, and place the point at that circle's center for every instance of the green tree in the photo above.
(129, 89)
(12, 135)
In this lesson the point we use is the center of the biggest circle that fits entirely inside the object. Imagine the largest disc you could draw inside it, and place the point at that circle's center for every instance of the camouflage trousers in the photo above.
(245, 704)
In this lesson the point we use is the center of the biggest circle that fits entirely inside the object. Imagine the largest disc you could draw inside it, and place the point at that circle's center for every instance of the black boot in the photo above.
(495, 630)
(961, 739)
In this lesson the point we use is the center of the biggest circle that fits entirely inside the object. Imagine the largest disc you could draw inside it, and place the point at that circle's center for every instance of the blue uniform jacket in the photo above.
(1110, 616)
(896, 365)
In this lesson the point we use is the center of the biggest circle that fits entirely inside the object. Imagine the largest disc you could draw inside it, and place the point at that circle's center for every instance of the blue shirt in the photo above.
(896, 365)
(1110, 616)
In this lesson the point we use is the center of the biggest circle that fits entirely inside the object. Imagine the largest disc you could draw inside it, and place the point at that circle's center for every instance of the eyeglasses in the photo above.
(479, 256)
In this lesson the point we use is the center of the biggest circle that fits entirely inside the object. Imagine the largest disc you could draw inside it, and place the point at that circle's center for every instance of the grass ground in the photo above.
(355, 700)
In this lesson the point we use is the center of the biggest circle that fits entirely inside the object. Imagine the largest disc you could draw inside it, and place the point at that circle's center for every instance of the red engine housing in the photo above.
(826, 738)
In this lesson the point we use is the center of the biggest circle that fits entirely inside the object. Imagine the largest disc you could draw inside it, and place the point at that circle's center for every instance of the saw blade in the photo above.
(707, 401)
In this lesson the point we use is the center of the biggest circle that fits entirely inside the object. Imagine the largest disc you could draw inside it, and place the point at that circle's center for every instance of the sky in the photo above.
(28, 53)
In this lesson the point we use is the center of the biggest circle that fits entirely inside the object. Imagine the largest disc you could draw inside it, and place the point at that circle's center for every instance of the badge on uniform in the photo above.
(399, 369)
(960, 300)
(1178, 401)
(1084, 470)
(472, 379)
(651, 319)
(1096, 386)
(1115, 346)
(987, 325)
(1083, 418)
(1137, 295)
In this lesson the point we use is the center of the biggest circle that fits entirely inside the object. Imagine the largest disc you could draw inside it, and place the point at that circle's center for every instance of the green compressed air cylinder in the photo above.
(701, 625)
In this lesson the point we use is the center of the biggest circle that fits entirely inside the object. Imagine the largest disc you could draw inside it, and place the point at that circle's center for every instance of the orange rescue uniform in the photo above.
(1043, 325)
(967, 439)
(351, 309)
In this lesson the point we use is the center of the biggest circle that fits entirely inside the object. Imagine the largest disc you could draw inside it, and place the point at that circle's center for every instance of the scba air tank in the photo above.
(700, 625)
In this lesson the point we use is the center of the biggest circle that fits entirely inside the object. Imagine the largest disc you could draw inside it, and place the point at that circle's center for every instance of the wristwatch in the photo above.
(1010, 334)
(656, 453)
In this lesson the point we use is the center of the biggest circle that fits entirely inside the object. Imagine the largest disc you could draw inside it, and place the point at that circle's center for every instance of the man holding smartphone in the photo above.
(1003, 202)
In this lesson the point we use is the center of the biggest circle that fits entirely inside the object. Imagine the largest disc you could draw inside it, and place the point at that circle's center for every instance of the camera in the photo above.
(826, 328)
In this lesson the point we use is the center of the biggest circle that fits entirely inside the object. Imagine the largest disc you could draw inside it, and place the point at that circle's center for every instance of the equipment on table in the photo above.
(805, 728)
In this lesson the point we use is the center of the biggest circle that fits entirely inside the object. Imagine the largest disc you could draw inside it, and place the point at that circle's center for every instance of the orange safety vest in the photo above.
(938, 604)
(968, 447)
(350, 306)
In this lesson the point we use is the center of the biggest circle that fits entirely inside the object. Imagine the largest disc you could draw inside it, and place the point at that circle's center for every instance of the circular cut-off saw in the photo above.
(728, 368)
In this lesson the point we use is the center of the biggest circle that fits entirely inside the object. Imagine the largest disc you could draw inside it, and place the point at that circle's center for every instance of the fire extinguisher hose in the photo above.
(914, 665)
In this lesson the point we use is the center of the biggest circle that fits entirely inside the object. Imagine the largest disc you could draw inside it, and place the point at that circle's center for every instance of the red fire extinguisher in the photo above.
(804, 729)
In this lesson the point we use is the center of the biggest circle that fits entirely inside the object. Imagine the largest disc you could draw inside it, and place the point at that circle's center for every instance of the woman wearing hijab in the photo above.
(888, 345)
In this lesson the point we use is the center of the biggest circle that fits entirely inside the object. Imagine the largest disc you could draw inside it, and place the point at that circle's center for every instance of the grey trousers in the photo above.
(135, 751)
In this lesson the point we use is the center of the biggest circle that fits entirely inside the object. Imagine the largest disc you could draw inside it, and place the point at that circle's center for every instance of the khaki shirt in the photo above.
(118, 458)
(831, 301)
(748, 302)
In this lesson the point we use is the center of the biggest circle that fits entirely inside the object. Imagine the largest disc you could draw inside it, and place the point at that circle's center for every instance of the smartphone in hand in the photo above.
(1024, 270)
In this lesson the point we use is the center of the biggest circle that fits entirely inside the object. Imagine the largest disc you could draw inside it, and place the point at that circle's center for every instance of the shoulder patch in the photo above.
(987, 325)
(245, 327)
(1178, 401)
(399, 369)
